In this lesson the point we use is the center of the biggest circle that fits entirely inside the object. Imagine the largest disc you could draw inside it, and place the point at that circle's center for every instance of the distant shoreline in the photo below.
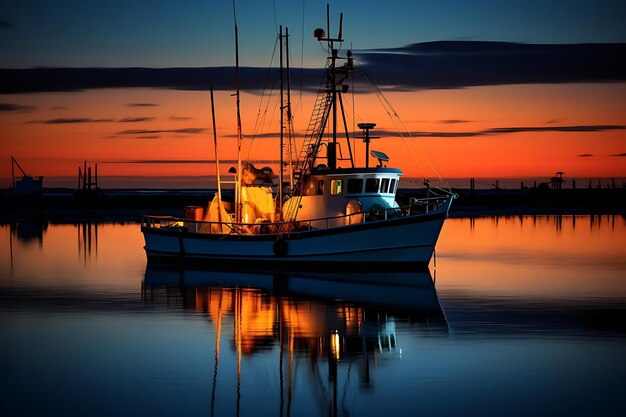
(66, 206)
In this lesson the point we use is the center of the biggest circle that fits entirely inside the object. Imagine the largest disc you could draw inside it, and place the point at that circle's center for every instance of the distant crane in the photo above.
(27, 185)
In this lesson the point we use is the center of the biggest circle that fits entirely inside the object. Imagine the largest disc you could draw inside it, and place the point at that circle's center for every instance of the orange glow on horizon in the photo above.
(162, 131)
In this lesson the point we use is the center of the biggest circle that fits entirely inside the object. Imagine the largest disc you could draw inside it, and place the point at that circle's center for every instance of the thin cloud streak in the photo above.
(269, 135)
(7, 107)
(436, 64)
(431, 65)
(453, 121)
(592, 128)
(504, 131)
(189, 130)
(136, 119)
(478, 133)
(70, 121)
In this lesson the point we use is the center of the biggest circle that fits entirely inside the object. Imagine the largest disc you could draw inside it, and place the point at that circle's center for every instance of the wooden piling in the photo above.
(84, 176)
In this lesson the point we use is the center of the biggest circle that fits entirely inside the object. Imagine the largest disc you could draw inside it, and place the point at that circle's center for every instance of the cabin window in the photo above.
(392, 186)
(384, 186)
(355, 186)
(310, 188)
(371, 185)
(320, 188)
(336, 187)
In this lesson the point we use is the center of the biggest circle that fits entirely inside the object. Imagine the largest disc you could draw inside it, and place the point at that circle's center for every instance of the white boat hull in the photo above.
(406, 240)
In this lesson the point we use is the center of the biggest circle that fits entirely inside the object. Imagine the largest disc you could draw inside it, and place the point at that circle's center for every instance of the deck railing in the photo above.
(420, 206)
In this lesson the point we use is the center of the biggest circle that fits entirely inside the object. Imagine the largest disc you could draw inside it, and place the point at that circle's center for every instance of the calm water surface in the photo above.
(517, 316)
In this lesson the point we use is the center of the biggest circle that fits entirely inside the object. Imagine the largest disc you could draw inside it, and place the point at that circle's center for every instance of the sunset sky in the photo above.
(520, 88)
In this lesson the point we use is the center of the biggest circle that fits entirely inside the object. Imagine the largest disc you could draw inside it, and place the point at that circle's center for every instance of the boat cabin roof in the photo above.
(356, 171)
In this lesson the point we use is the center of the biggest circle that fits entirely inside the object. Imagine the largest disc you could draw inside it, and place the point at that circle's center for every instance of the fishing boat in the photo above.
(328, 213)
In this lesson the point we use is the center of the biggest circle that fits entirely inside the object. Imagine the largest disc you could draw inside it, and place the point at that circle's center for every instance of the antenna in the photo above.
(328, 22)
(321, 35)
(340, 27)
(366, 138)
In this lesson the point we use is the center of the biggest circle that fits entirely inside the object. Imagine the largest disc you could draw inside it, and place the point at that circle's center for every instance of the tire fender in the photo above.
(280, 247)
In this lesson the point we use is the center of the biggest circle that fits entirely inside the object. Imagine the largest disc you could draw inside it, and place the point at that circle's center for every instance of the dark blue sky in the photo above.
(114, 33)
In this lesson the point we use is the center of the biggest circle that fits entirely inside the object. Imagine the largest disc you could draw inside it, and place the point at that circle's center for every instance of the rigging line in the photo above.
(355, 116)
(265, 84)
(239, 134)
(404, 142)
(354, 113)
(266, 125)
(404, 129)
(301, 56)
(234, 13)
(414, 140)
(390, 107)
(275, 20)
(263, 94)
(261, 129)
(326, 51)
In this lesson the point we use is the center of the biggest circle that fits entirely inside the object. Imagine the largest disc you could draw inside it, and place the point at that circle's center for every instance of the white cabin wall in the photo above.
(326, 205)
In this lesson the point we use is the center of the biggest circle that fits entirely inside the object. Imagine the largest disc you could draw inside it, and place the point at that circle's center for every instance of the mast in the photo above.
(289, 121)
(239, 135)
(331, 84)
(217, 162)
(326, 101)
(332, 150)
(282, 126)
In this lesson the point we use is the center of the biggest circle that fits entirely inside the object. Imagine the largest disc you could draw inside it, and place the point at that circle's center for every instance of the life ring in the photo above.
(352, 209)
(280, 247)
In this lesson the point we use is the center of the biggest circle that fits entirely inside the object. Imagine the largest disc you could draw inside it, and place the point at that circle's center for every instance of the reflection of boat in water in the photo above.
(331, 211)
(409, 292)
(313, 324)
